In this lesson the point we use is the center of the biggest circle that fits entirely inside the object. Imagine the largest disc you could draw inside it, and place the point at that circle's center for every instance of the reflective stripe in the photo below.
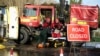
(29, 19)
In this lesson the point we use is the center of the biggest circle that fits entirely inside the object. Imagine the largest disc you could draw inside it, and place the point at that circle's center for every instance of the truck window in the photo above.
(30, 12)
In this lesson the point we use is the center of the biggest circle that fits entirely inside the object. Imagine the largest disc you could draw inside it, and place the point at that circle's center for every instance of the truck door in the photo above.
(13, 22)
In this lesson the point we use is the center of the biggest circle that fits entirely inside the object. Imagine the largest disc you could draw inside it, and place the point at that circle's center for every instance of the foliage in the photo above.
(75, 1)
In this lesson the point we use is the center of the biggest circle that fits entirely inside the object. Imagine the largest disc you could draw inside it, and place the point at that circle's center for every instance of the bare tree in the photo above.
(75, 1)
(19, 3)
(39, 2)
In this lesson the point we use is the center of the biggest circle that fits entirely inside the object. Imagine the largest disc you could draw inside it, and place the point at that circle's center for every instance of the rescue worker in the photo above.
(57, 24)
(44, 32)
(56, 33)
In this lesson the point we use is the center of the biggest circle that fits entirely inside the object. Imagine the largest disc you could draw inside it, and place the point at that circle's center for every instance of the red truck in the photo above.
(38, 20)
(32, 20)
(84, 15)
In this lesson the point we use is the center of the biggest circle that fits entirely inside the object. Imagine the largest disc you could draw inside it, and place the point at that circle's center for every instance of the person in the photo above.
(57, 24)
(44, 32)
(56, 33)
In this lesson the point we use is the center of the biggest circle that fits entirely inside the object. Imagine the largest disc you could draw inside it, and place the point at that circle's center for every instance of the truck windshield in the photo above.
(30, 12)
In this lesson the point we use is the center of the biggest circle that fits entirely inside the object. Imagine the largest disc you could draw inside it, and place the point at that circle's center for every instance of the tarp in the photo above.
(83, 14)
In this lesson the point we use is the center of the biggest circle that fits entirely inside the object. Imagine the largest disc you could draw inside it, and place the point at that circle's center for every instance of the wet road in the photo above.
(33, 51)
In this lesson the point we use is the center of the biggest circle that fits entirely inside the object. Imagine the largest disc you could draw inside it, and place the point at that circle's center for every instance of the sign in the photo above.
(83, 14)
(77, 32)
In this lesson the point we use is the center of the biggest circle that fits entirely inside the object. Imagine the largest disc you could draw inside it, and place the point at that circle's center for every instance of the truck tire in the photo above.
(23, 36)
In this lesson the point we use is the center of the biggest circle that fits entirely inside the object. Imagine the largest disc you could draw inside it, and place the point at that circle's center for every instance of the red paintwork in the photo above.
(32, 22)
(85, 13)
(56, 35)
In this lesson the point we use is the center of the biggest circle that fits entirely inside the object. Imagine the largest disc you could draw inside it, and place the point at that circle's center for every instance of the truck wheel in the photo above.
(23, 36)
